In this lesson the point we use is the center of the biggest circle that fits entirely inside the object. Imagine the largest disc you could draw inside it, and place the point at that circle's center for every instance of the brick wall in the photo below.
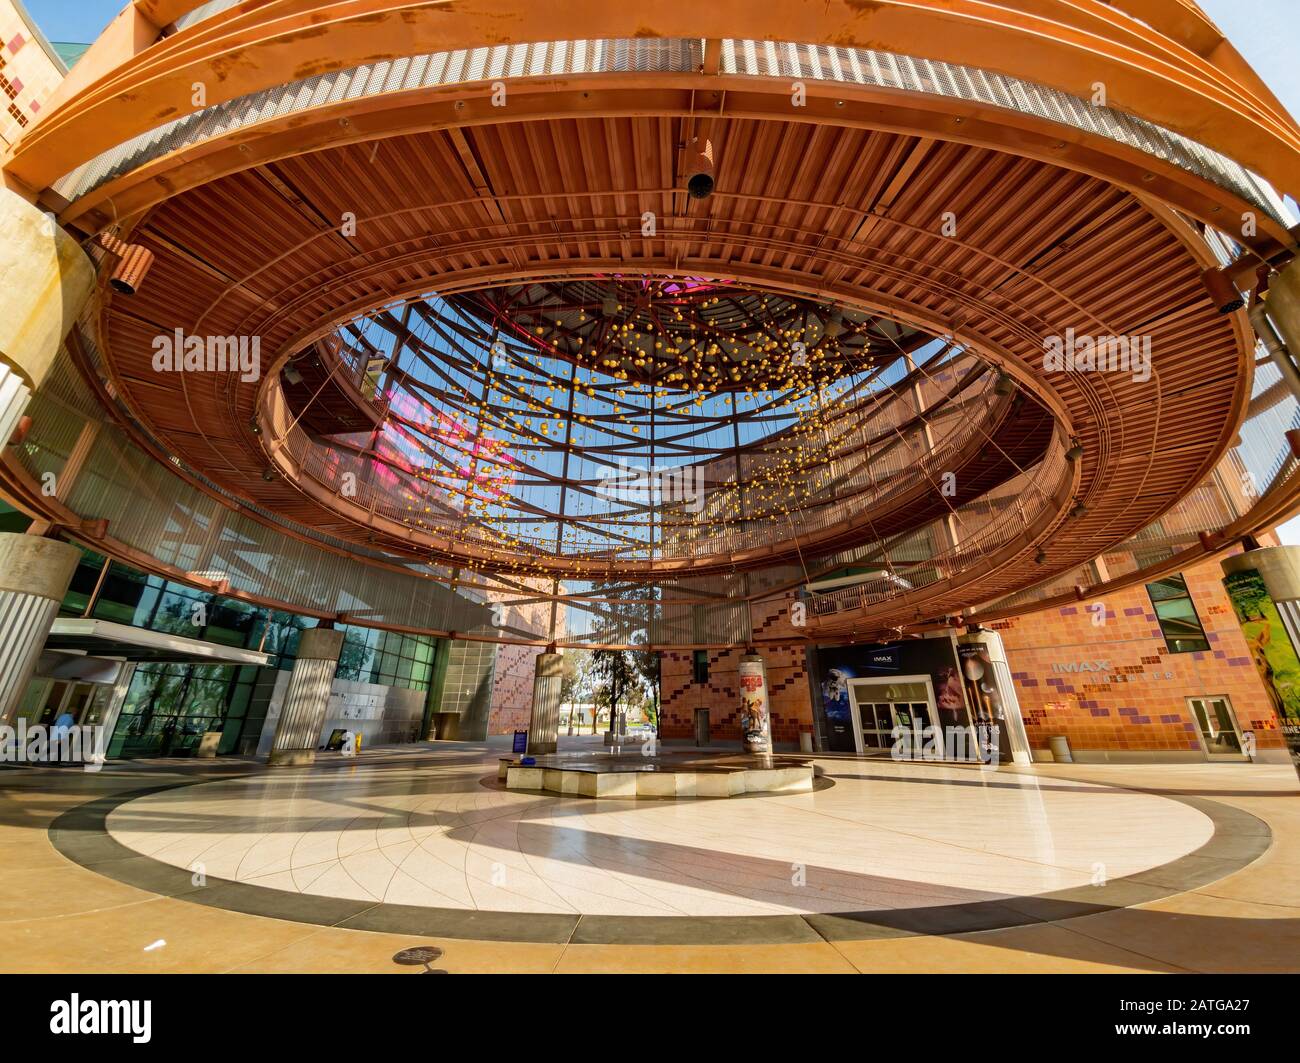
(1139, 702)
(512, 689)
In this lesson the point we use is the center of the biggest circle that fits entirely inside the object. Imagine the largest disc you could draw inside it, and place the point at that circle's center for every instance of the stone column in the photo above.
(48, 280)
(1264, 588)
(544, 725)
(755, 711)
(34, 577)
(297, 734)
(1283, 306)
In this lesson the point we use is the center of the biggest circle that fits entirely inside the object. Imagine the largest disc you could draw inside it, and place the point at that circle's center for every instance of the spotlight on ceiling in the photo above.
(268, 475)
(1079, 510)
(292, 375)
(1040, 557)
(699, 168)
(1075, 452)
(1005, 385)
(131, 270)
(132, 265)
(1223, 293)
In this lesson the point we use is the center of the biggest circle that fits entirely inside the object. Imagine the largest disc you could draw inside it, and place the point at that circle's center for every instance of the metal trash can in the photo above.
(701, 727)
(1060, 747)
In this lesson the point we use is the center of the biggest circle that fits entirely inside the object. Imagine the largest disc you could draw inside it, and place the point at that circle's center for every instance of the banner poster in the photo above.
(1270, 648)
(754, 724)
(985, 701)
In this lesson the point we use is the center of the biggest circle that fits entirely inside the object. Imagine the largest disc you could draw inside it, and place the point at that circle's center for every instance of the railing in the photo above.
(1008, 513)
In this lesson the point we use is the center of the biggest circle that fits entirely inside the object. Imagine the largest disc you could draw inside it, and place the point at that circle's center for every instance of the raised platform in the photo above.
(665, 774)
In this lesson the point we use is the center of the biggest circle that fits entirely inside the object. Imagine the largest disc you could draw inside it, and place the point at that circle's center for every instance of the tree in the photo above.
(615, 673)
(576, 681)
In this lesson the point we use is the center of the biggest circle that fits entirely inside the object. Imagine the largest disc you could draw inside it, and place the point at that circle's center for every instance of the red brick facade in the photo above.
(1138, 702)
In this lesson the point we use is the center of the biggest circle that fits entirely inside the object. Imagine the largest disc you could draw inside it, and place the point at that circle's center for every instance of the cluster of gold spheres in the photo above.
(661, 369)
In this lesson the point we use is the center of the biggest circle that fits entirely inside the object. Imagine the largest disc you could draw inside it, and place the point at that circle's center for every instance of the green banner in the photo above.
(1270, 647)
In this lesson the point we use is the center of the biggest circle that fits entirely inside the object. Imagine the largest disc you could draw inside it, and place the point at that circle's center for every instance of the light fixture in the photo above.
(131, 269)
(1040, 557)
(1075, 452)
(291, 374)
(133, 263)
(699, 169)
(1079, 510)
(1223, 293)
(1005, 385)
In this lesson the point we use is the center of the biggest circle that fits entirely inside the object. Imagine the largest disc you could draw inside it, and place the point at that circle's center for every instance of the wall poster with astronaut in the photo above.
(838, 666)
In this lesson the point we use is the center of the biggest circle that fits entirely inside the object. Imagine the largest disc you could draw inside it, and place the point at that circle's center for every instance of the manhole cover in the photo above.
(420, 956)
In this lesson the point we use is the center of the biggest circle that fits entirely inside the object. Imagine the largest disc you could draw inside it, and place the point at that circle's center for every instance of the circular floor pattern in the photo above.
(418, 845)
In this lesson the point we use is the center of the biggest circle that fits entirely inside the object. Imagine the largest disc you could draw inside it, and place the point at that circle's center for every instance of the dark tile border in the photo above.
(81, 835)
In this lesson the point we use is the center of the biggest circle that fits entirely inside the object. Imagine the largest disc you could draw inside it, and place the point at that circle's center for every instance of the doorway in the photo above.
(879, 706)
(1217, 724)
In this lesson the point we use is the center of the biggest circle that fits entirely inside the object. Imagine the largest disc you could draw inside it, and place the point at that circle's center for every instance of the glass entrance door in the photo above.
(877, 724)
(884, 706)
(1218, 726)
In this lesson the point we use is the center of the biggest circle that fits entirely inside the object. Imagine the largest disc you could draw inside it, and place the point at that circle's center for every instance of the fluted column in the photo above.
(297, 733)
(755, 711)
(34, 577)
(544, 725)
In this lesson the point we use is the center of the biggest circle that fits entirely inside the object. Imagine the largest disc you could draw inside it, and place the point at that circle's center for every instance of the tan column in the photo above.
(1283, 306)
(34, 577)
(544, 725)
(297, 734)
(45, 282)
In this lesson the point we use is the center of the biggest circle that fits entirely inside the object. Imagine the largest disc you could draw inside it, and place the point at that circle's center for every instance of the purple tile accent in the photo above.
(1239, 662)
(1069, 610)
(1134, 612)
(1219, 655)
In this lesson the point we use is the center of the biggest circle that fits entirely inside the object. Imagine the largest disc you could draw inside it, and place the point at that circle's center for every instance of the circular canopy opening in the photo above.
(647, 425)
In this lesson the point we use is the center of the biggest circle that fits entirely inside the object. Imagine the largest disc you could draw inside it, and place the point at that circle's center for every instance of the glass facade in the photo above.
(386, 657)
(169, 707)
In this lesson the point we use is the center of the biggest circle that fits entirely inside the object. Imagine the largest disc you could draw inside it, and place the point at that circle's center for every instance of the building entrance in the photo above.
(881, 706)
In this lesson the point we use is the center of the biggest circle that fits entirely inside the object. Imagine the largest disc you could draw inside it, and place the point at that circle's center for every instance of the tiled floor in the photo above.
(510, 881)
